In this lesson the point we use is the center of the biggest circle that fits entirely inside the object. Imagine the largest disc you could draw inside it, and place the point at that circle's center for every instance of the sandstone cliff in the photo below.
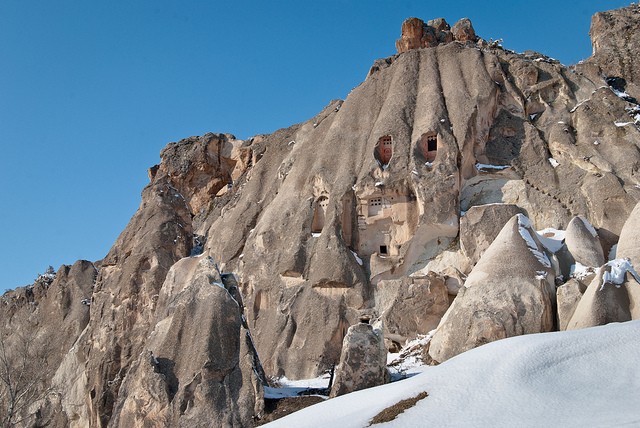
(357, 211)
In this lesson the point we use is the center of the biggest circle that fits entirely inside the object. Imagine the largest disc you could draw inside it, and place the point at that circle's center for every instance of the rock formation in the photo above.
(511, 291)
(359, 210)
(628, 246)
(583, 243)
(363, 362)
(612, 296)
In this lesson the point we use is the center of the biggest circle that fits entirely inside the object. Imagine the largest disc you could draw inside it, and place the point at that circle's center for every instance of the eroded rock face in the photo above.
(629, 244)
(196, 368)
(511, 291)
(416, 34)
(480, 226)
(411, 306)
(612, 296)
(323, 219)
(568, 296)
(363, 362)
(53, 307)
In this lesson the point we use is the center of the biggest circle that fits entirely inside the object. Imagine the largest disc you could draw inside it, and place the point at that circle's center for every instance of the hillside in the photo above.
(411, 206)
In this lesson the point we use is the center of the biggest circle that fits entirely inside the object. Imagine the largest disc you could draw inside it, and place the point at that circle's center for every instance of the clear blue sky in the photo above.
(90, 92)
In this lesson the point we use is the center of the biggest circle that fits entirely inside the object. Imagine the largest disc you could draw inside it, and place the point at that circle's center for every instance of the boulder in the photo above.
(480, 225)
(363, 362)
(568, 296)
(628, 245)
(612, 296)
(583, 243)
(411, 306)
(463, 31)
(511, 291)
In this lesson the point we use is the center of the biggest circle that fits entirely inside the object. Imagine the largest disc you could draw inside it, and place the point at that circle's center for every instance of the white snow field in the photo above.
(582, 378)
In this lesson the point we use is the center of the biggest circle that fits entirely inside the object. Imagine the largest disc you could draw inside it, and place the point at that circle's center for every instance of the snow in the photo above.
(523, 225)
(619, 269)
(612, 252)
(429, 164)
(581, 378)
(551, 238)
(621, 124)
(481, 166)
(379, 183)
(358, 259)
(595, 143)
(580, 271)
(533, 116)
(554, 163)
(316, 234)
(294, 388)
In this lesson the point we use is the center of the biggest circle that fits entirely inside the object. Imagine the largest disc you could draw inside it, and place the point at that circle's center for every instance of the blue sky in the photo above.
(91, 91)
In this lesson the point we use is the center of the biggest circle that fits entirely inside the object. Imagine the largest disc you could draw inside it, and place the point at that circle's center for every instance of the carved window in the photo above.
(384, 149)
(429, 146)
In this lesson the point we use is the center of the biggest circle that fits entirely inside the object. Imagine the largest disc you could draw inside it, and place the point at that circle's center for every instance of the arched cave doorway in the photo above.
(428, 146)
(384, 150)
(319, 214)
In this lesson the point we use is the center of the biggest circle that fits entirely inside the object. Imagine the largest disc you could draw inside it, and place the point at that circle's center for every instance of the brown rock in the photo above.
(629, 244)
(608, 299)
(463, 31)
(510, 292)
(568, 295)
(411, 306)
(583, 243)
(480, 225)
(363, 361)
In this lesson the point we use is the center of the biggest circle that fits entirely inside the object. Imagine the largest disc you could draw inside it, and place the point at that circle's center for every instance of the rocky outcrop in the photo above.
(363, 361)
(416, 34)
(55, 306)
(583, 243)
(510, 292)
(568, 296)
(411, 306)
(196, 368)
(480, 226)
(612, 296)
(345, 214)
(615, 39)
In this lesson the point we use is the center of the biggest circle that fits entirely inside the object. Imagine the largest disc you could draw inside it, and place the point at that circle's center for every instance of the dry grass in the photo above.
(391, 412)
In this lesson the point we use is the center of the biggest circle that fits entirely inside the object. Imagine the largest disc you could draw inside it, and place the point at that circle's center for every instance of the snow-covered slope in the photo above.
(588, 377)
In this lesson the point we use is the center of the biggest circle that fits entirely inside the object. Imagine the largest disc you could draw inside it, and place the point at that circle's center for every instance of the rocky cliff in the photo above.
(381, 205)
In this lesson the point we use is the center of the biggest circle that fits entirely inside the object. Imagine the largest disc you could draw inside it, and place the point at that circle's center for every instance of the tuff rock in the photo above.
(363, 361)
(346, 214)
(510, 291)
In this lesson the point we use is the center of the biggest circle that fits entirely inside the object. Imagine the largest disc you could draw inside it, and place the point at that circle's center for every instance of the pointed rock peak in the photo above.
(416, 34)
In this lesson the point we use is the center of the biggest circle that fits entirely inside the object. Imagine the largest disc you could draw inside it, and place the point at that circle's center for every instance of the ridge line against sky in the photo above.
(91, 92)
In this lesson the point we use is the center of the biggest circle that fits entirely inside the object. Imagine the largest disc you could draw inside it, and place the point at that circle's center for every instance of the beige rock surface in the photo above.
(510, 292)
(568, 295)
(608, 300)
(480, 226)
(629, 244)
(583, 243)
(363, 361)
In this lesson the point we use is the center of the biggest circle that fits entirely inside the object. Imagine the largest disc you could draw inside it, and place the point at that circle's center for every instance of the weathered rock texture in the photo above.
(363, 362)
(411, 306)
(583, 243)
(606, 301)
(568, 296)
(480, 226)
(629, 244)
(416, 34)
(318, 219)
(511, 291)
